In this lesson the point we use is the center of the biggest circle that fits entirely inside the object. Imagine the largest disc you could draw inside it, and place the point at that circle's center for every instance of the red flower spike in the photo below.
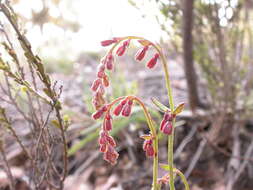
(141, 53)
(96, 84)
(107, 125)
(108, 42)
(109, 61)
(106, 81)
(152, 62)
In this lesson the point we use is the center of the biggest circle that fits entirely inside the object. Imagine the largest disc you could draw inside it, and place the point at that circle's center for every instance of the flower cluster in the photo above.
(124, 107)
(166, 125)
(107, 63)
(107, 146)
(106, 142)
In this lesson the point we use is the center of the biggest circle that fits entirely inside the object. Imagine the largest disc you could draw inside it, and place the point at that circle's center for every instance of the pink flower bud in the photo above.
(110, 141)
(98, 100)
(162, 124)
(148, 148)
(152, 62)
(111, 155)
(127, 109)
(167, 128)
(121, 50)
(109, 61)
(106, 81)
(108, 42)
(141, 53)
(96, 84)
(107, 125)
(101, 71)
(118, 109)
(103, 148)
(97, 114)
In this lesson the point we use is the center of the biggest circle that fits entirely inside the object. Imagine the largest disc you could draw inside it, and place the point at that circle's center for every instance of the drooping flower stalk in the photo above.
(124, 106)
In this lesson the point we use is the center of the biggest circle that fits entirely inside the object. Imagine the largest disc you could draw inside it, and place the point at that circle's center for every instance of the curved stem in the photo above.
(153, 131)
(170, 137)
(186, 185)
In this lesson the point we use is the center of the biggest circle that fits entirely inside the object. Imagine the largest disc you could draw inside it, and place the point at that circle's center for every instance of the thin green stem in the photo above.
(170, 137)
(153, 131)
(186, 185)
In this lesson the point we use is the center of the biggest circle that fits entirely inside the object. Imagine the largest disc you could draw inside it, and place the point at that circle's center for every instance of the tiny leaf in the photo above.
(159, 105)
(166, 167)
(179, 109)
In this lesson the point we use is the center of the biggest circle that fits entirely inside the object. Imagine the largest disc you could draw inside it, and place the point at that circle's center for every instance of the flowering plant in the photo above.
(123, 105)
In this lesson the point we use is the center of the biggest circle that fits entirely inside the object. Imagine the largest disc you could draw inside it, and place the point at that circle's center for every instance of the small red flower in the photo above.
(108, 42)
(166, 124)
(111, 155)
(101, 71)
(148, 148)
(96, 84)
(121, 50)
(141, 53)
(152, 62)
(99, 112)
(107, 145)
(109, 61)
(127, 108)
(119, 107)
(167, 128)
(106, 81)
(98, 100)
(107, 125)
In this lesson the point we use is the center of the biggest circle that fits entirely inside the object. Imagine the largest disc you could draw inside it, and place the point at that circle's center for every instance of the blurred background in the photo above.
(209, 48)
